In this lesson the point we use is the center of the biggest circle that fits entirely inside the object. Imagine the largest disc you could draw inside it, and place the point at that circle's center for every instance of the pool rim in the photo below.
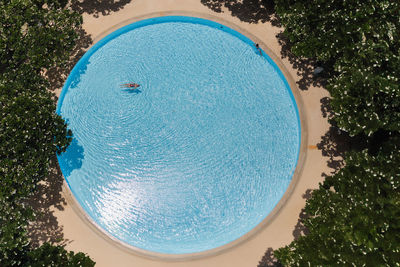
(295, 95)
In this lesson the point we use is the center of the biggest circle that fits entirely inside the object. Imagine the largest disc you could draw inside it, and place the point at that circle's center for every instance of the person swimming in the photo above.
(130, 85)
(258, 48)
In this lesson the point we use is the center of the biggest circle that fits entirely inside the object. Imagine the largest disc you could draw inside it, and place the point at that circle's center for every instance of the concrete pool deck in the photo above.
(278, 230)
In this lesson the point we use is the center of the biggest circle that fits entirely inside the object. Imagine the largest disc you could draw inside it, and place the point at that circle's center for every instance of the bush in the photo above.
(358, 40)
(48, 255)
(353, 216)
(36, 36)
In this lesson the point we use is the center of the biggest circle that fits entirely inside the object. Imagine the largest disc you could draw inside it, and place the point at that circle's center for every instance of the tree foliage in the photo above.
(30, 135)
(359, 41)
(14, 243)
(354, 215)
(366, 91)
(35, 36)
(48, 255)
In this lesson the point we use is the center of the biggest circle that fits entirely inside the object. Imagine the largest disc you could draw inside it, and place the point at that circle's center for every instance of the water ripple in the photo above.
(194, 159)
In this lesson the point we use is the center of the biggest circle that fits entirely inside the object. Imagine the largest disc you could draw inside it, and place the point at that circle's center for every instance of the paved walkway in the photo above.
(279, 228)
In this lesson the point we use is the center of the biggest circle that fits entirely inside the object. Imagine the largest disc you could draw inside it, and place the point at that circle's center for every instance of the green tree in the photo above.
(31, 133)
(35, 36)
(55, 256)
(14, 243)
(358, 42)
(354, 215)
(366, 91)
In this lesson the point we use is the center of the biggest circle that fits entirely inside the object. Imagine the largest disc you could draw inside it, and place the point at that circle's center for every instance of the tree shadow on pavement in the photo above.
(304, 66)
(97, 7)
(268, 260)
(335, 143)
(251, 11)
(299, 229)
(47, 198)
(58, 75)
(261, 11)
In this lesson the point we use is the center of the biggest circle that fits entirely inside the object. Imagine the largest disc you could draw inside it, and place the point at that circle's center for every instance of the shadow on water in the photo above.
(77, 75)
(58, 75)
(46, 199)
(132, 91)
(251, 11)
(71, 159)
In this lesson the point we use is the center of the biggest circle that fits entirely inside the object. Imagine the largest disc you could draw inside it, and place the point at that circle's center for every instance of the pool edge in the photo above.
(277, 209)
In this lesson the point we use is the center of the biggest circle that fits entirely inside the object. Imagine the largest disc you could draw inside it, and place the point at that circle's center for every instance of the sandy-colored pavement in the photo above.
(278, 229)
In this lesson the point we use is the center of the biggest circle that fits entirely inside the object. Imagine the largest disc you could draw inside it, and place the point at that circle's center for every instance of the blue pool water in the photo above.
(197, 157)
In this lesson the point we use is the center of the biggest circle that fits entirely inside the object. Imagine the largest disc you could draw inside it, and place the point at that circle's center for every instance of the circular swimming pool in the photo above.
(194, 158)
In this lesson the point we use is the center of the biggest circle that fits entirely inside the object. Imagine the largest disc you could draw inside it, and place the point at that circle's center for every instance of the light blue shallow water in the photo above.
(196, 158)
